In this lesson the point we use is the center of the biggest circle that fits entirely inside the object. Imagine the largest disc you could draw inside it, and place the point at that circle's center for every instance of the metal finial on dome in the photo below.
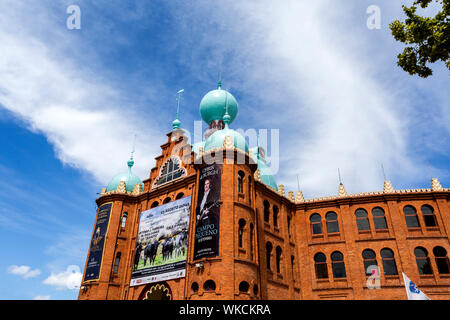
(219, 82)
(176, 124)
(131, 161)
(226, 117)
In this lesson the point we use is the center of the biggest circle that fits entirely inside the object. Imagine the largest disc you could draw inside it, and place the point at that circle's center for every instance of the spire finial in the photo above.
(131, 161)
(177, 123)
(226, 117)
(339, 173)
(384, 174)
(219, 82)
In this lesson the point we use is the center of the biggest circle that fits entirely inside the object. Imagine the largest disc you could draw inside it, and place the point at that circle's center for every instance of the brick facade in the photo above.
(242, 270)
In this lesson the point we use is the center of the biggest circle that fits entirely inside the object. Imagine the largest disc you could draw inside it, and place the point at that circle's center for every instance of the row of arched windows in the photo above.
(337, 263)
(167, 200)
(378, 218)
(241, 228)
(240, 184)
(278, 252)
(412, 219)
(424, 264)
(388, 261)
(275, 212)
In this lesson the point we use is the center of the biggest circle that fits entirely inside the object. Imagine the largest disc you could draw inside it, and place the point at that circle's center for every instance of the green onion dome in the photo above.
(217, 139)
(214, 103)
(130, 179)
(264, 170)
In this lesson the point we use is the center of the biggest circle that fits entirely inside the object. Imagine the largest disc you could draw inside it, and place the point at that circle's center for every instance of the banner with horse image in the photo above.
(161, 244)
(208, 212)
(98, 243)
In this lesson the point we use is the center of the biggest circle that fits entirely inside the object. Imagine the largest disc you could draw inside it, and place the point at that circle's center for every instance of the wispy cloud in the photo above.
(70, 279)
(331, 85)
(41, 298)
(83, 115)
(24, 271)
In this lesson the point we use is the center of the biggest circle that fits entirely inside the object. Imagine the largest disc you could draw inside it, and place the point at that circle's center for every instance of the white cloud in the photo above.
(69, 279)
(88, 121)
(315, 71)
(41, 298)
(24, 271)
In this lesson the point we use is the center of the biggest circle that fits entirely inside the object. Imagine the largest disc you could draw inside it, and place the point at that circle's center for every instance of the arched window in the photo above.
(428, 216)
(154, 204)
(389, 265)
(370, 259)
(361, 220)
(241, 175)
(124, 219)
(266, 210)
(209, 285)
(179, 196)
(116, 263)
(194, 287)
(422, 260)
(278, 252)
(411, 217)
(293, 267)
(268, 253)
(251, 240)
(249, 188)
(255, 290)
(244, 286)
(170, 170)
(337, 262)
(440, 256)
(275, 216)
(332, 222)
(167, 200)
(289, 224)
(316, 223)
(378, 218)
(320, 263)
(241, 232)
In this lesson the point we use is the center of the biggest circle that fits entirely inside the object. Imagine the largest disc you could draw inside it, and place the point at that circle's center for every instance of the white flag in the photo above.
(412, 291)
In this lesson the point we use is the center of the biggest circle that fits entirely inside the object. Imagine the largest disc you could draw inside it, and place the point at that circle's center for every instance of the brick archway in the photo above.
(156, 291)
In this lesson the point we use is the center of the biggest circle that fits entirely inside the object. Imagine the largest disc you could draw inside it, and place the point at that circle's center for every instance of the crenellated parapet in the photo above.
(342, 193)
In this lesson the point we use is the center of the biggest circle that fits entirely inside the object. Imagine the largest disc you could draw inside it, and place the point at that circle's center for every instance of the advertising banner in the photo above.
(98, 243)
(161, 244)
(208, 212)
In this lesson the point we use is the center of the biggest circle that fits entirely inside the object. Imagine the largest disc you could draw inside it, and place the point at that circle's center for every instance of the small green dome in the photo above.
(130, 179)
(264, 170)
(217, 139)
(176, 124)
(214, 103)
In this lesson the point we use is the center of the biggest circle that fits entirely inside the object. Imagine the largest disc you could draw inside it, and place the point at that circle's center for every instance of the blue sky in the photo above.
(72, 100)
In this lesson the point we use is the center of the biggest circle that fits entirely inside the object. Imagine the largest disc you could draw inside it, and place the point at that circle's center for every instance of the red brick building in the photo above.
(272, 245)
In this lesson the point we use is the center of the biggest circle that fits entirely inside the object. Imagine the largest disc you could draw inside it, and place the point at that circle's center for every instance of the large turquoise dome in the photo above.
(214, 103)
(130, 179)
(217, 139)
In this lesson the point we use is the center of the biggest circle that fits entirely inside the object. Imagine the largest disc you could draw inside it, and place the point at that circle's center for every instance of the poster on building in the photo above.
(208, 212)
(161, 244)
(97, 246)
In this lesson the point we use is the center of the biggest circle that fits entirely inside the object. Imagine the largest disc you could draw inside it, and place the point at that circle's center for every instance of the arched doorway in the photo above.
(156, 291)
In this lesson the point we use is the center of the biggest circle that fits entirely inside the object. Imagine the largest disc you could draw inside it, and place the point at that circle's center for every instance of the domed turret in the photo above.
(217, 139)
(264, 170)
(214, 103)
(128, 177)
